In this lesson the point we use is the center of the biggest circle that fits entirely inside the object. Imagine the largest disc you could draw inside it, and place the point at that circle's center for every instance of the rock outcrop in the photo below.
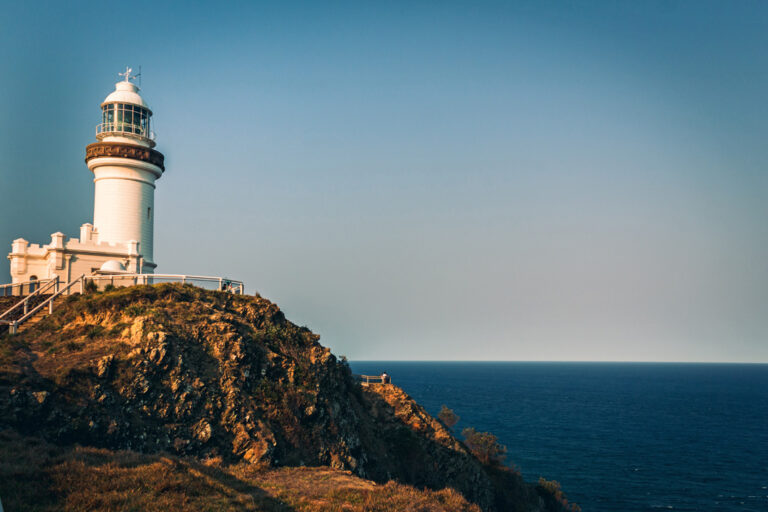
(181, 370)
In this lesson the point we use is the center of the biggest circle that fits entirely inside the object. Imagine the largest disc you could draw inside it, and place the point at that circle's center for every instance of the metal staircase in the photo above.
(32, 309)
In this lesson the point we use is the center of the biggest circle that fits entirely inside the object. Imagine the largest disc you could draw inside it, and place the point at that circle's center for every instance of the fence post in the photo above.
(82, 284)
(50, 305)
(12, 327)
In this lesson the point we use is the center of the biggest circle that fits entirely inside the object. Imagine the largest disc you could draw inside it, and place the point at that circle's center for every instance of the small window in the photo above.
(149, 212)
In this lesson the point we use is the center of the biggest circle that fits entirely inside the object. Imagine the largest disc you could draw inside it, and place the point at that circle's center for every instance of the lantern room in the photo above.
(125, 116)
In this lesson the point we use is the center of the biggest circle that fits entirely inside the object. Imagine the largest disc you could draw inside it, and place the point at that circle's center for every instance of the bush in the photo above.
(485, 446)
(448, 417)
(551, 491)
(135, 310)
(90, 286)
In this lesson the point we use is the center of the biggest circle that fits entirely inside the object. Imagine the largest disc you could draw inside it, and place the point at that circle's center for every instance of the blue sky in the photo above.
(428, 180)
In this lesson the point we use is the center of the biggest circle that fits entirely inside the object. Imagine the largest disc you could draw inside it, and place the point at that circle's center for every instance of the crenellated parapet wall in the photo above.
(70, 257)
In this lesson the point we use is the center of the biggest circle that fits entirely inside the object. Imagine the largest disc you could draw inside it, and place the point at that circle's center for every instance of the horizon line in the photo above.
(547, 361)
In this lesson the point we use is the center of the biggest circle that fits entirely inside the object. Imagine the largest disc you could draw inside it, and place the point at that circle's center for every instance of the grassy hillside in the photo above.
(36, 476)
(190, 373)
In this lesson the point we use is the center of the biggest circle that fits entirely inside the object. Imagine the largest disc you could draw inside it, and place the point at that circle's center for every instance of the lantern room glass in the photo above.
(125, 118)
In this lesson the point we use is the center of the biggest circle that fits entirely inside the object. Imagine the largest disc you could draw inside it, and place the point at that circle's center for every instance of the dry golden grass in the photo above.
(37, 476)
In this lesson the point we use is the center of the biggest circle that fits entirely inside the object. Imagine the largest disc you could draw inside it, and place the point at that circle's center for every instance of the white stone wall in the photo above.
(27, 267)
(28, 260)
(70, 258)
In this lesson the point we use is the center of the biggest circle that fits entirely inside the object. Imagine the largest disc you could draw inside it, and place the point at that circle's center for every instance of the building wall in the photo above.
(28, 260)
(70, 258)
(80, 264)
(24, 269)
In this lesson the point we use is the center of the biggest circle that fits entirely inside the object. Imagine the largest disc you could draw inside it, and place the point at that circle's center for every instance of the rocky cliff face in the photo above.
(186, 371)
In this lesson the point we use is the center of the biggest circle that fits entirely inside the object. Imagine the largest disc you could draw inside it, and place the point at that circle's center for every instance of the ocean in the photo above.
(617, 436)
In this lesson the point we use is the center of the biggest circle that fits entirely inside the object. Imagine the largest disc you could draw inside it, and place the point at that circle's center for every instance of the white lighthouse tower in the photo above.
(117, 249)
(125, 168)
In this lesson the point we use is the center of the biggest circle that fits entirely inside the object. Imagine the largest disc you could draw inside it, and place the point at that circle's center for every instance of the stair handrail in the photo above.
(20, 285)
(49, 302)
(39, 291)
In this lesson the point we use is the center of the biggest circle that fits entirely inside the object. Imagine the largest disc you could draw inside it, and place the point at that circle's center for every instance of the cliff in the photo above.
(195, 375)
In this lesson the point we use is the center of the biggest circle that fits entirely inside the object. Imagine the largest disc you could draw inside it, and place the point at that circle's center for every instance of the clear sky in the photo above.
(427, 180)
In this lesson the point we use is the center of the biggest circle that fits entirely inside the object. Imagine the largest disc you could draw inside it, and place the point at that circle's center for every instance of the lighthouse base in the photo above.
(70, 258)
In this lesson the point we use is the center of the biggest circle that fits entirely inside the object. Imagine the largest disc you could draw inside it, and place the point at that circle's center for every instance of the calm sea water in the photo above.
(617, 436)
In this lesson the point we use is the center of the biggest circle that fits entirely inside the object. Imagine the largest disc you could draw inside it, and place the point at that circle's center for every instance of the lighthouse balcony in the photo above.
(124, 130)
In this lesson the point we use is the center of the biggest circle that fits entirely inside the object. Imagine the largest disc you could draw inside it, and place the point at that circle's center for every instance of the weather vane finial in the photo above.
(127, 74)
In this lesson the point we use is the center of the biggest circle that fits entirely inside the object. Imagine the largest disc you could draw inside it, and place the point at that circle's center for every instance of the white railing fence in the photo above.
(367, 380)
(207, 282)
(51, 286)
(18, 289)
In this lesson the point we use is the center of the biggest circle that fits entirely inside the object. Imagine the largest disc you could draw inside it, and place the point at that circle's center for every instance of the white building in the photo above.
(125, 167)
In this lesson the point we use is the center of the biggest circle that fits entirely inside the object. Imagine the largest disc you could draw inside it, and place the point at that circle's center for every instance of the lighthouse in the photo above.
(125, 167)
(117, 248)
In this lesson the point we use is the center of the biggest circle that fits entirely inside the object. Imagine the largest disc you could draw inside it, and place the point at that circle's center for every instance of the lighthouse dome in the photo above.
(112, 266)
(126, 92)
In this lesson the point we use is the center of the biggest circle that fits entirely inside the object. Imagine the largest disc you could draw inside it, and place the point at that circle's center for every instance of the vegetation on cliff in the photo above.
(189, 374)
(36, 476)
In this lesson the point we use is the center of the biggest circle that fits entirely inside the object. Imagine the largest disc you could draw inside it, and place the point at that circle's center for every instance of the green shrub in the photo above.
(95, 331)
(90, 286)
(135, 310)
(448, 417)
(550, 490)
(485, 446)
